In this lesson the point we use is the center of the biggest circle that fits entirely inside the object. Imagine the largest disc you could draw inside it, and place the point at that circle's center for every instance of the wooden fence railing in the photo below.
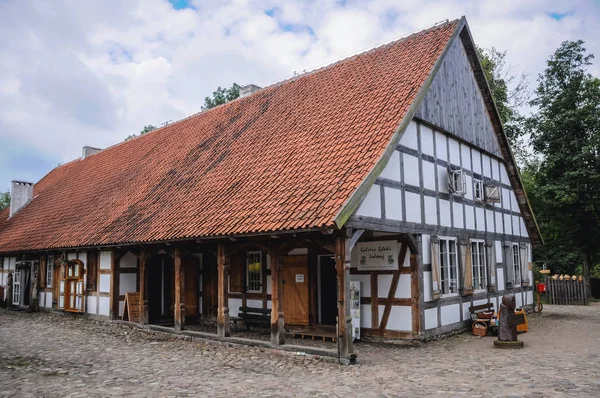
(567, 292)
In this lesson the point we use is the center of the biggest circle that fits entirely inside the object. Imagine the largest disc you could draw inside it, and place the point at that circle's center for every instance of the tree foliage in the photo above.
(565, 182)
(221, 96)
(4, 200)
(145, 130)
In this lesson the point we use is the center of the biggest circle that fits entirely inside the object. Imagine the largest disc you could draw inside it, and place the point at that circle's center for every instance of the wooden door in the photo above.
(210, 292)
(190, 285)
(294, 279)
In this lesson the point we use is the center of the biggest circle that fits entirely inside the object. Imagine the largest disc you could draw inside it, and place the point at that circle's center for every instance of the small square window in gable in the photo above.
(411, 170)
(429, 175)
(427, 140)
(413, 207)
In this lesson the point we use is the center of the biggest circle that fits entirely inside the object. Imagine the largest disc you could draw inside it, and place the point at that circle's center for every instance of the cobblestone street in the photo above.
(54, 355)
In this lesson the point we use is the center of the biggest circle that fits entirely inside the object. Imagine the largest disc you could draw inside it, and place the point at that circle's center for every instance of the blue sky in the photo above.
(93, 72)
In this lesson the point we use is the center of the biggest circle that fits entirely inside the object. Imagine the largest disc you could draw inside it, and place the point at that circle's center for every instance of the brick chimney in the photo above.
(21, 193)
(88, 151)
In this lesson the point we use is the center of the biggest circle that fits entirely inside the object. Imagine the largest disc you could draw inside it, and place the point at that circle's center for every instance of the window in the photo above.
(254, 271)
(16, 298)
(456, 182)
(492, 194)
(49, 270)
(478, 260)
(516, 264)
(478, 190)
(448, 266)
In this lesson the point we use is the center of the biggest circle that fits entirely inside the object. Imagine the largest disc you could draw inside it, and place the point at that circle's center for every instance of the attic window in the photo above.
(478, 190)
(456, 182)
(492, 194)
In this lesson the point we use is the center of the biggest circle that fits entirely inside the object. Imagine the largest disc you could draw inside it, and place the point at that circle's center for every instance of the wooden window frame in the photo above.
(516, 264)
(260, 273)
(49, 270)
(478, 190)
(457, 183)
(16, 283)
(478, 252)
(446, 267)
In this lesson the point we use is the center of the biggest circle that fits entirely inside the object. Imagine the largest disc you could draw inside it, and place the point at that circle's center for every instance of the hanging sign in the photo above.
(377, 256)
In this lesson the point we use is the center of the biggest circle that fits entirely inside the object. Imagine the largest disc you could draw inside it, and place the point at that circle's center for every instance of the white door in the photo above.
(16, 298)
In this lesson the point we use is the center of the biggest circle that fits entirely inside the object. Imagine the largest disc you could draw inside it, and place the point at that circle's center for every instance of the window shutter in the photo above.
(508, 265)
(435, 267)
(466, 267)
(490, 256)
(492, 194)
(451, 187)
(524, 257)
(237, 272)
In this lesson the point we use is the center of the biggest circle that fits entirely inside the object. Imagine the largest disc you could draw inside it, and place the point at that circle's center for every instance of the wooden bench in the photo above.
(474, 310)
(254, 316)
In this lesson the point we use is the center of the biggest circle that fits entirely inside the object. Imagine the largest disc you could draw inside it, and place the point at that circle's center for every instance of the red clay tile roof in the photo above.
(286, 158)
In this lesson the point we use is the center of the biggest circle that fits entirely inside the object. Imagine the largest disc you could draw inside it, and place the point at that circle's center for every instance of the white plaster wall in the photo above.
(129, 260)
(411, 170)
(121, 307)
(469, 187)
(469, 217)
(127, 283)
(450, 314)
(41, 299)
(371, 204)
(519, 300)
(409, 138)
(504, 175)
(495, 172)
(365, 284)
(524, 232)
(269, 285)
(269, 304)
(300, 251)
(505, 199)
(480, 214)
(48, 302)
(427, 140)
(454, 148)
(104, 285)
(476, 161)
(428, 175)
(234, 306)
(406, 262)
(498, 251)
(500, 273)
(104, 260)
(507, 224)
(91, 304)
(392, 168)
(486, 166)
(466, 157)
(445, 216)
(254, 303)
(514, 205)
(393, 203)
(104, 306)
(413, 207)
(400, 318)
(499, 226)
(529, 297)
(403, 289)
(365, 316)
(431, 321)
(440, 143)
(457, 209)
(465, 310)
(480, 302)
(383, 285)
(430, 210)
(442, 179)
(489, 216)
(427, 294)
(516, 224)
(426, 241)
(72, 256)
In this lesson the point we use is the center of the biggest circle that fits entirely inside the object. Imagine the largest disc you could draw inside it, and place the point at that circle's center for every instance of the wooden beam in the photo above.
(415, 293)
(115, 259)
(179, 307)
(393, 288)
(223, 302)
(277, 321)
(143, 292)
(342, 264)
(373, 300)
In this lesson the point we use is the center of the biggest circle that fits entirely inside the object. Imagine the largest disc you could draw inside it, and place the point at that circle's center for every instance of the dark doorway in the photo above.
(327, 290)
(160, 290)
(210, 292)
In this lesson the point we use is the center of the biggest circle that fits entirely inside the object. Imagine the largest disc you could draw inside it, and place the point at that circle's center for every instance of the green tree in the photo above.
(145, 130)
(221, 96)
(565, 132)
(4, 200)
(510, 92)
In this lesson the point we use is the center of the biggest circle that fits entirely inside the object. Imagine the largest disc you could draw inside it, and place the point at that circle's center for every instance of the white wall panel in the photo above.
(104, 260)
(529, 297)
(480, 214)
(104, 305)
(428, 175)
(470, 217)
(365, 284)
(499, 225)
(393, 203)
(516, 224)
(457, 209)
(411, 170)
(498, 251)
(450, 314)
(519, 300)
(505, 199)
(489, 216)
(413, 207)
(431, 321)
(430, 210)
(127, 283)
(48, 302)
(513, 202)
(504, 175)
(495, 172)
(465, 152)
(383, 285)
(501, 285)
(454, 148)
(400, 318)
(427, 140)
(465, 311)
(427, 296)
(445, 216)
(442, 179)
(469, 187)
(487, 171)
(508, 224)
(121, 307)
(426, 242)
(409, 138)
(440, 144)
(91, 305)
(269, 285)
(365, 316)
(371, 204)
(524, 232)
(72, 256)
(403, 289)
(254, 303)
(104, 285)
(392, 169)
(234, 306)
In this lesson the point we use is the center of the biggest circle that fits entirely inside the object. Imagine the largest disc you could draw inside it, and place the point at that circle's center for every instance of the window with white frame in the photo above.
(478, 261)
(254, 271)
(456, 182)
(478, 192)
(448, 265)
(49, 271)
(16, 298)
(516, 264)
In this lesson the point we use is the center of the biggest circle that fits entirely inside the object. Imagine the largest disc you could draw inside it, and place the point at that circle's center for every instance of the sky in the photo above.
(75, 73)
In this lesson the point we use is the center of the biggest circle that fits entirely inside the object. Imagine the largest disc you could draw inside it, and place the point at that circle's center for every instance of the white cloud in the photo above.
(80, 73)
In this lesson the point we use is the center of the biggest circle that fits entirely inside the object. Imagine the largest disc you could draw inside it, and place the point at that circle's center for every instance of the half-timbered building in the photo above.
(378, 194)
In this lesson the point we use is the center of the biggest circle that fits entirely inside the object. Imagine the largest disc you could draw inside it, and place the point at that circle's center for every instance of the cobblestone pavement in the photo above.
(54, 355)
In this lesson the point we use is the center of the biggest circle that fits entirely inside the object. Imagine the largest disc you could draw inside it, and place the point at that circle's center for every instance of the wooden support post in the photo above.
(277, 321)
(179, 306)
(223, 301)
(143, 292)
(415, 294)
(342, 263)
(115, 259)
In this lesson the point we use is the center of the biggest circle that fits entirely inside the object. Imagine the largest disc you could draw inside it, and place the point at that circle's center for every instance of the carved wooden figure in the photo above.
(9, 290)
(507, 328)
